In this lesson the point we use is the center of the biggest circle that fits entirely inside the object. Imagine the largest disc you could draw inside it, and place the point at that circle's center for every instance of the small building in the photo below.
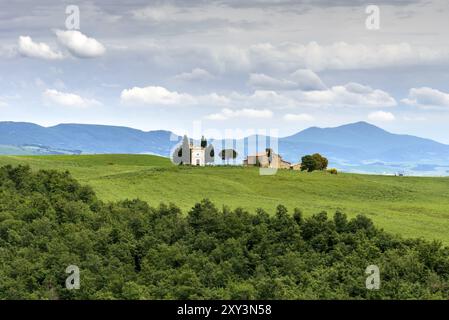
(267, 159)
(296, 166)
(187, 153)
(197, 155)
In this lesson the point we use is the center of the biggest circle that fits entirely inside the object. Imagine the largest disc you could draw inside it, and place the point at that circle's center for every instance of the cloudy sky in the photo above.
(279, 65)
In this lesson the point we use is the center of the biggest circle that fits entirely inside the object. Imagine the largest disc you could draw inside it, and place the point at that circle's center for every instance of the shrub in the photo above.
(313, 162)
(129, 250)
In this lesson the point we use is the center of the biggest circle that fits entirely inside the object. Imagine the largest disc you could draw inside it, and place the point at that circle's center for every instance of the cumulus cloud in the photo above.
(307, 80)
(79, 44)
(381, 116)
(29, 48)
(68, 99)
(301, 117)
(154, 95)
(427, 98)
(349, 95)
(227, 114)
(196, 74)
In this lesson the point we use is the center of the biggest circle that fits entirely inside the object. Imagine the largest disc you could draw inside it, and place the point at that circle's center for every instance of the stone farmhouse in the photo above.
(267, 159)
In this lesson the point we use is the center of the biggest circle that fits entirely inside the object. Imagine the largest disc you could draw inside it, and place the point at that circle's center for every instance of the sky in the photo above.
(227, 67)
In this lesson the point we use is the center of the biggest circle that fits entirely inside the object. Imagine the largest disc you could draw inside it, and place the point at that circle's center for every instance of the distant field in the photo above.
(411, 206)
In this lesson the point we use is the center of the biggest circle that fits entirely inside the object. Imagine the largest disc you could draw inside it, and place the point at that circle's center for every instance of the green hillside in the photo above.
(411, 206)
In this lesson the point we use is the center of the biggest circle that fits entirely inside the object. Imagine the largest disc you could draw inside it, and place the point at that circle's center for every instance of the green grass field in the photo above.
(410, 206)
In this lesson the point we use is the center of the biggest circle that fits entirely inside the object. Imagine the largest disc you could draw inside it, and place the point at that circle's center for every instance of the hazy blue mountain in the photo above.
(359, 147)
(363, 147)
(86, 138)
(361, 142)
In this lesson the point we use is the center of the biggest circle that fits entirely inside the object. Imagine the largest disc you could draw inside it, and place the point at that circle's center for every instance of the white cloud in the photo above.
(301, 79)
(307, 80)
(381, 116)
(227, 114)
(155, 96)
(79, 44)
(196, 74)
(427, 98)
(349, 95)
(342, 55)
(262, 81)
(301, 117)
(29, 48)
(68, 99)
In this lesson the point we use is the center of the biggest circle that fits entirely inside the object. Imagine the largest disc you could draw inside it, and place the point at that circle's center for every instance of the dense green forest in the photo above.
(130, 250)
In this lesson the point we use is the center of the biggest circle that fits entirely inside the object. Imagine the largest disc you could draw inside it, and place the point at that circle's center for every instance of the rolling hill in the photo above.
(356, 147)
(411, 206)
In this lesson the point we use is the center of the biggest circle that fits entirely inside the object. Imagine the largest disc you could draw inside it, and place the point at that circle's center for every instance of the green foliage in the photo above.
(308, 163)
(130, 250)
(321, 162)
(313, 162)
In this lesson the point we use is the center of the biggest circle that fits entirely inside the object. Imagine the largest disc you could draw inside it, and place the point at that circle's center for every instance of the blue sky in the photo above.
(263, 65)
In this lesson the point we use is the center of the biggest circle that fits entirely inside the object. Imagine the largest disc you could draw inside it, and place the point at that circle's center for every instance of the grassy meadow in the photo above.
(410, 206)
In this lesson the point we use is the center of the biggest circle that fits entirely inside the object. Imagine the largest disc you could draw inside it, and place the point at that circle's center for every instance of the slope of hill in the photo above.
(362, 141)
(411, 206)
(357, 147)
(87, 138)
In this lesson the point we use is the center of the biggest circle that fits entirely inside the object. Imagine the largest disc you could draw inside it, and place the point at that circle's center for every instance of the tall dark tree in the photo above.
(203, 142)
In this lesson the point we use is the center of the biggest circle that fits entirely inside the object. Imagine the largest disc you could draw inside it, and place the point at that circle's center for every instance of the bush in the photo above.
(313, 162)
(332, 171)
(129, 250)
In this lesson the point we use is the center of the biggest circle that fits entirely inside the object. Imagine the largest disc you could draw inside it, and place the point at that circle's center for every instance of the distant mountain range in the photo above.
(84, 138)
(356, 147)
(363, 147)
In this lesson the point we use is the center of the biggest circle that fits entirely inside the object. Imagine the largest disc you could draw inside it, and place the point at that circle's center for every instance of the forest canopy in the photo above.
(131, 250)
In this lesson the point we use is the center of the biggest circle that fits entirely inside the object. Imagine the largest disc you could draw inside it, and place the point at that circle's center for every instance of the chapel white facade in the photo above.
(197, 156)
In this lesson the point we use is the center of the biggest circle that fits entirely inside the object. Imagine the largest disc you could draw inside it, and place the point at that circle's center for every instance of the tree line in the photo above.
(131, 250)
